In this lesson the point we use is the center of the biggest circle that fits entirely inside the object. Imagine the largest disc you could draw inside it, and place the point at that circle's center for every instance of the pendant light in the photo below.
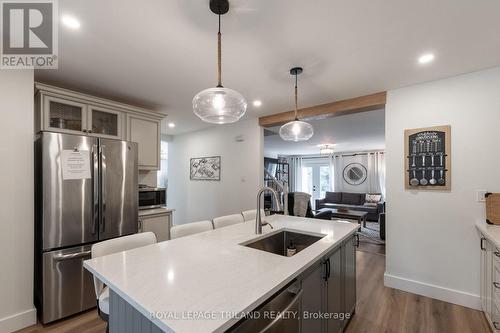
(219, 105)
(296, 130)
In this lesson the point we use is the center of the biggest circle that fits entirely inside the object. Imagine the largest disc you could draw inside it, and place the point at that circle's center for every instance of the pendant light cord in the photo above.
(219, 58)
(296, 98)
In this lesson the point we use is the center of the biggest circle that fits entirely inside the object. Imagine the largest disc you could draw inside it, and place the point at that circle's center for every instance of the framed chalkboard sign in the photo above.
(427, 158)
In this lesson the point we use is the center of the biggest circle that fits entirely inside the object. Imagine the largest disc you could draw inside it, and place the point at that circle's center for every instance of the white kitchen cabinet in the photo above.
(66, 115)
(66, 111)
(490, 283)
(146, 132)
(105, 122)
(63, 115)
(159, 224)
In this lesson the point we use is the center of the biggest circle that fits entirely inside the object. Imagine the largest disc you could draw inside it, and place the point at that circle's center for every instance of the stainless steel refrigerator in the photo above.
(86, 191)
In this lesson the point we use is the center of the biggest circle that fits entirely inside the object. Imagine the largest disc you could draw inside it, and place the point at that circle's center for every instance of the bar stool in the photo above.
(111, 246)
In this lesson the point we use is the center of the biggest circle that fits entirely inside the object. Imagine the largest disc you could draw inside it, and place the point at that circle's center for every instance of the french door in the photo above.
(316, 178)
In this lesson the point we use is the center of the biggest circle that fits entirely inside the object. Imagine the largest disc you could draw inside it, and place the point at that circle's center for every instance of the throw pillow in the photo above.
(373, 198)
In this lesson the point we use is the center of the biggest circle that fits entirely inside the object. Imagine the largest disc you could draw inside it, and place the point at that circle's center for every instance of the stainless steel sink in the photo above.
(278, 241)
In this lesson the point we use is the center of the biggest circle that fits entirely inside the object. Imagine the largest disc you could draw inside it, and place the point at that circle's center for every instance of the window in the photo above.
(163, 173)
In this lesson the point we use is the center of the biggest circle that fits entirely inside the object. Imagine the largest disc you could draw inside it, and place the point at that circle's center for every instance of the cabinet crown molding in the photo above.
(98, 101)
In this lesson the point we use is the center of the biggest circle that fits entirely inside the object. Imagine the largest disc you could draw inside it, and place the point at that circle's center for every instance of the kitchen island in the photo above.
(201, 283)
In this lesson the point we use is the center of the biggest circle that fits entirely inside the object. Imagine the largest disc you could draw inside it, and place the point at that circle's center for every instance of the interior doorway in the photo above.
(349, 178)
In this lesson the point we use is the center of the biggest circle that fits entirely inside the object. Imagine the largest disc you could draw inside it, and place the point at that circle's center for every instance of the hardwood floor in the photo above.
(88, 322)
(366, 245)
(382, 309)
(378, 309)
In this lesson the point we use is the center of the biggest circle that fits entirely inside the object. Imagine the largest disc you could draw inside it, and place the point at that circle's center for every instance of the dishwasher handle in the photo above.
(290, 305)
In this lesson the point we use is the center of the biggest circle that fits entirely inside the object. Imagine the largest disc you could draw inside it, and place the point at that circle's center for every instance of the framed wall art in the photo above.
(427, 158)
(205, 168)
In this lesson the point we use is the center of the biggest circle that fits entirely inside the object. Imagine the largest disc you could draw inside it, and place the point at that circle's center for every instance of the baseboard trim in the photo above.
(18, 321)
(433, 291)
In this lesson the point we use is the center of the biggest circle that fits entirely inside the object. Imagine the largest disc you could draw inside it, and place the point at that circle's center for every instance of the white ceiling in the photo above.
(160, 53)
(357, 132)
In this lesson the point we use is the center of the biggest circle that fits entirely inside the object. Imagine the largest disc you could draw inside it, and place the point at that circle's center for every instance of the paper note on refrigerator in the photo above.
(75, 164)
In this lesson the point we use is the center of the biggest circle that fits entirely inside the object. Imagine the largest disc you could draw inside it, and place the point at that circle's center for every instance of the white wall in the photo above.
(241, 171)
(433, 247)
(149, 178)
(16, 200)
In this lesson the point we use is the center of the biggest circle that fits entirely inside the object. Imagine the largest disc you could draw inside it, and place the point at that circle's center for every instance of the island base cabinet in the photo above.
(335, 292)
(349, 275)
(329, 289)
(124, 318)
(314, 286)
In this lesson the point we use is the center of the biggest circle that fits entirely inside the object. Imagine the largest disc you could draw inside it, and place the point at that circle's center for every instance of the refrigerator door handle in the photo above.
(77, 255)
(103, 188)
(95, 211)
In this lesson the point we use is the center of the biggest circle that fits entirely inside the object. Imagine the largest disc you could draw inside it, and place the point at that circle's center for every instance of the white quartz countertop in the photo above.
(490, 231)
(211, 272)
(155, 211)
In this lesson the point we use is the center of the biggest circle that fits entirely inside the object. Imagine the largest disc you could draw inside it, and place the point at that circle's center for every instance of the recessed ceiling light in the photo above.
(171, 125)
(257, 103)
(426, 58)
(70, 22)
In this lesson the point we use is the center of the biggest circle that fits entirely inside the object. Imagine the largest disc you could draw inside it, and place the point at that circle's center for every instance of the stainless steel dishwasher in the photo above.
(280, 313)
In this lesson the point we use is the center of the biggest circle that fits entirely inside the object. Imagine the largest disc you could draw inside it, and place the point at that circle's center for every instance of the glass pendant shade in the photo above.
(296, 130)
(219, 105)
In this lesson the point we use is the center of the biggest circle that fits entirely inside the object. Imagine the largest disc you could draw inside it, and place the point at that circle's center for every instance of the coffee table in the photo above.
(347, 214)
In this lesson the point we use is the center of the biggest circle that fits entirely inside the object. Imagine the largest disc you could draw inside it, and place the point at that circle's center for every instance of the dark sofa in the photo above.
(351, 201)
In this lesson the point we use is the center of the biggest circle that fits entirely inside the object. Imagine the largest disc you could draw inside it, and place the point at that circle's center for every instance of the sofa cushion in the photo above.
(333, 197)
(373, 198)
(352, 198)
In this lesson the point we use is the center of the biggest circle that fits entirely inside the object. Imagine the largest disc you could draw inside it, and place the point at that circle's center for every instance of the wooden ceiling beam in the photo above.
(347, 106)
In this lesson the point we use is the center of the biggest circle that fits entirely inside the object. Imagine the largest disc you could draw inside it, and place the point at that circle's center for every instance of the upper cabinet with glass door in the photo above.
(66, 111)
(104, 122)
(62, 115)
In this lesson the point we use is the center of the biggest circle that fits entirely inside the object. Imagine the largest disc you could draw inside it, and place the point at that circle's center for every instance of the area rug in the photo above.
(371, 233)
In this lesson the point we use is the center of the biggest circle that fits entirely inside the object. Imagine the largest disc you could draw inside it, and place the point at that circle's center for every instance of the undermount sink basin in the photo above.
(278, 241)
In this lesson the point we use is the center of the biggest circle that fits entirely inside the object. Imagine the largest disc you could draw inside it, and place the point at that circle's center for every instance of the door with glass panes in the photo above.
(316, 178)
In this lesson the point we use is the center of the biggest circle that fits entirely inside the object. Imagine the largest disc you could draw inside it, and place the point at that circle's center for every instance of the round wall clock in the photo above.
(355, 174)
